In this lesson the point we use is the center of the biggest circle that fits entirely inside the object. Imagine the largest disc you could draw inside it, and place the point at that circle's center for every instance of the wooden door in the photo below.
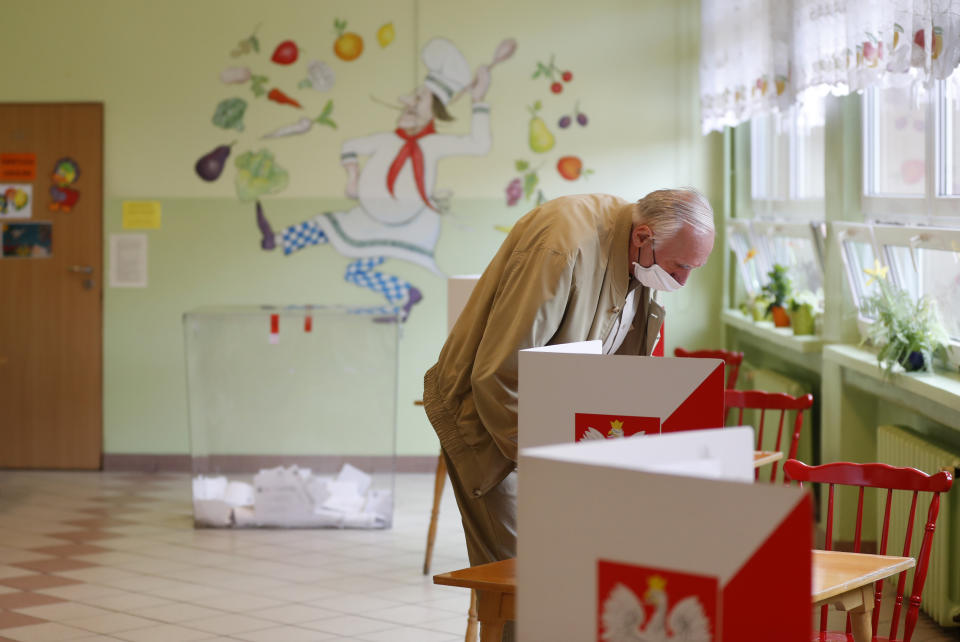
(51, 412)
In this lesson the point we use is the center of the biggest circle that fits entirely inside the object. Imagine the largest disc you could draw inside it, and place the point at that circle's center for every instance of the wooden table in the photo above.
(845, 581)
(496, 587)
(842, 580)
(764, 457)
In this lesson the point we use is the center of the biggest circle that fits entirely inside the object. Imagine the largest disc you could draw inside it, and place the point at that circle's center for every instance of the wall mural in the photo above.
(542, 139)
(391, 174)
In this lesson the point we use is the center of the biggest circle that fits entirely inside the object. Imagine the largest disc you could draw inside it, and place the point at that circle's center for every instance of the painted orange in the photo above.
(348, 47)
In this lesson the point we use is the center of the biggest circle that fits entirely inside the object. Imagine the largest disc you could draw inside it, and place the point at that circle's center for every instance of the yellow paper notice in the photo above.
(141, 215)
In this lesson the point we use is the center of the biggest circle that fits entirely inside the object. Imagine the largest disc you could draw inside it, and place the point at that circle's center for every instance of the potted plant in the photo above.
(778, 289)
(756, 307)
(803, 312)
(907, 332)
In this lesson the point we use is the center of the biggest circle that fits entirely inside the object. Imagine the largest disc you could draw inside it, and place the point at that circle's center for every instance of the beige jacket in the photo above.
(561, 275)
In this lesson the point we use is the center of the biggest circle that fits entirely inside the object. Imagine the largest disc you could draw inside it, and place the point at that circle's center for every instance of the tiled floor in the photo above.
(89, 556)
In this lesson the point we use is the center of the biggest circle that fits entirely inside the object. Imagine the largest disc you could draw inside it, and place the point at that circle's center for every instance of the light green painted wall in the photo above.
(155, 66)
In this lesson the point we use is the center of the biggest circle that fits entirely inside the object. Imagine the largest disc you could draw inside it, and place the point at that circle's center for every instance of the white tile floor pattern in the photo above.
(98, 556)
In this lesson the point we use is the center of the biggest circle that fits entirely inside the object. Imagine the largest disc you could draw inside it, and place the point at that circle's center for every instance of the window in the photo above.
(786, 163)
(911, 153)
(925, 261)
(798, 247)
(859, 254)
(749, 266)
(922, 260)
(950, 127)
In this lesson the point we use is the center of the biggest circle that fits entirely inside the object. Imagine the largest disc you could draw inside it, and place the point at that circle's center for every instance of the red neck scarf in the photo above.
(411, 149)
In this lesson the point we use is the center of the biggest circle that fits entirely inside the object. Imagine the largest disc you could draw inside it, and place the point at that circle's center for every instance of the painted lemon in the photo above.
(385, 34)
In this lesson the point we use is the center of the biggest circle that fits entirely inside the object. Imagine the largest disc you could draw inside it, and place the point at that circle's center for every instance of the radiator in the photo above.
(770, 381)
(899, 446)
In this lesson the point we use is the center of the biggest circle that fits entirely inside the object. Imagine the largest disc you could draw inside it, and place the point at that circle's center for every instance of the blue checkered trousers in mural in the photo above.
(360, 272)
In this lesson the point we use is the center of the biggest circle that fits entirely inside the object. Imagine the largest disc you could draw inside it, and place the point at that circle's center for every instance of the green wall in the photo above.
(155, 66)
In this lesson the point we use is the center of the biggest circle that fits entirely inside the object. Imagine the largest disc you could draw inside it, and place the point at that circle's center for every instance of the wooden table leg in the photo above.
(439, 481)
(471, 635)
(861, 618)
(491, 620)
(859, 604)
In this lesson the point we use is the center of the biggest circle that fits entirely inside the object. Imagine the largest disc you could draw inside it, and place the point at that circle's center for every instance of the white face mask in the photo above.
(655, 277)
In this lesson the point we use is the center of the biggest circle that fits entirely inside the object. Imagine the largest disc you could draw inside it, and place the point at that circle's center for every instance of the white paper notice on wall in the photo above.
(128, 260)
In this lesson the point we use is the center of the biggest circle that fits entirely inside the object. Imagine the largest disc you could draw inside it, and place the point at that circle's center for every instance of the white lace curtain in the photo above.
(759, 56)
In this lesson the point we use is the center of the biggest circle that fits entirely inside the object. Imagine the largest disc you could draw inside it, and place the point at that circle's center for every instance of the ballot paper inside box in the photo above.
(660, 537)
(292, 415)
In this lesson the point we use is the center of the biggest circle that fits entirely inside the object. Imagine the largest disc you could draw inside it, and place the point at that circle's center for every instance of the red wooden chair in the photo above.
(764, 401)
(731, 359)
(889, 478)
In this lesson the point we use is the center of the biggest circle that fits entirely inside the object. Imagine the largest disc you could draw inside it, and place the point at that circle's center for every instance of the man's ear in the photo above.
(641, 234)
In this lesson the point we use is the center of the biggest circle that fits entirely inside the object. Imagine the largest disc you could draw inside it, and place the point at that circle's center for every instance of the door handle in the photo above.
(80, 269)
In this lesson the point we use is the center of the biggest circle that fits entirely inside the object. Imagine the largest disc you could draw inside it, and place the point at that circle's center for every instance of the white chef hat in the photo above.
(447, 70)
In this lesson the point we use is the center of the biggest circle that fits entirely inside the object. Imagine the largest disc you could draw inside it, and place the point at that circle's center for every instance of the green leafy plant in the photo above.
(908, 332)
(779, 288)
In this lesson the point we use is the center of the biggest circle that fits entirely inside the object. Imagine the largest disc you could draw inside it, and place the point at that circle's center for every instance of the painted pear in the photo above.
(541, 140)
(211, 165)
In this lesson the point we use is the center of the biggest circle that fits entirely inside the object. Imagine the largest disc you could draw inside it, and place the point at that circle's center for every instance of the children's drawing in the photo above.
(27, 240)
(641, 604)
(392, 176)
(63, 196)
(348, 45)
(16, 200)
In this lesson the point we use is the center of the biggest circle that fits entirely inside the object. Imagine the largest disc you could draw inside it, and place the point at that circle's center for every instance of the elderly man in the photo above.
(576, 268)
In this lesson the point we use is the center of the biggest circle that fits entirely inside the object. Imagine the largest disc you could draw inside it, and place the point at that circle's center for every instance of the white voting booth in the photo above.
(570, 392)
(459, 288)
(660, 537)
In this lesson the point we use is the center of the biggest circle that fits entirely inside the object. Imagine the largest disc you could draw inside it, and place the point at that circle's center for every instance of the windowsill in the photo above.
(782, 337)
(939, 387)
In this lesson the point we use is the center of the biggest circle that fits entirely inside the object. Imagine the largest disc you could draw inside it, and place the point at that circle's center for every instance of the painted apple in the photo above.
(569, 167)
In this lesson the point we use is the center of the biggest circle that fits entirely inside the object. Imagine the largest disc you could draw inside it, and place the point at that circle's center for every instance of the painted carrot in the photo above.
(278, 96)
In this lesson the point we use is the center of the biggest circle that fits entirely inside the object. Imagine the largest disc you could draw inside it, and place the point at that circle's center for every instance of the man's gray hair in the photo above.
(667, 210)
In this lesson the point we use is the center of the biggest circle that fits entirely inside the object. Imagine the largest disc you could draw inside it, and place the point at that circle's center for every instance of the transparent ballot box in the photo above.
(292, 415)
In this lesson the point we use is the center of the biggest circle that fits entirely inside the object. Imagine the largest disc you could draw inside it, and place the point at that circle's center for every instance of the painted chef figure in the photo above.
(396, 215)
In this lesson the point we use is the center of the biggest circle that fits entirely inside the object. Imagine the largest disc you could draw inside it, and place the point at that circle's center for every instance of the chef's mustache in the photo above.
(387, 104)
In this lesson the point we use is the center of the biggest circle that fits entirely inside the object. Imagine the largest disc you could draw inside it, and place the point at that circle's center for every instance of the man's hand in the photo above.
(481, 83)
